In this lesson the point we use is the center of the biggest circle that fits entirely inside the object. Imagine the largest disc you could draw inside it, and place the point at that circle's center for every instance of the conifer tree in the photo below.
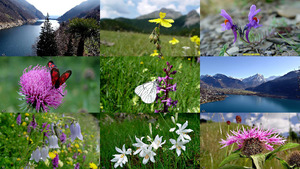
(46, 45)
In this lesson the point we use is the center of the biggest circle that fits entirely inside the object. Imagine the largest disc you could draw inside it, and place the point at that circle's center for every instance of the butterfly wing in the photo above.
(51, 64)
(147, 91)
(63, 78)
(54, 76)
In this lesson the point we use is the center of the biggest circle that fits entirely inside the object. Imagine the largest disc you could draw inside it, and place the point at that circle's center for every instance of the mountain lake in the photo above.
(246, 103)
(19, 41)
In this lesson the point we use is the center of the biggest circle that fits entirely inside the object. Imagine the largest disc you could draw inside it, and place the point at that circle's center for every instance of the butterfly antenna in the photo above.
(58, 91)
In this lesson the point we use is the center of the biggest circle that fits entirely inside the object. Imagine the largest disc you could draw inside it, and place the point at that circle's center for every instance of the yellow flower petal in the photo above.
(155, 20)
(162, 15)
(165, 24)
(169, 20)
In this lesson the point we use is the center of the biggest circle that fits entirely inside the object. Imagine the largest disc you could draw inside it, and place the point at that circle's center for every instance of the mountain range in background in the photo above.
(184, 25)
(17, 12)
(286, 85)
(87, 9)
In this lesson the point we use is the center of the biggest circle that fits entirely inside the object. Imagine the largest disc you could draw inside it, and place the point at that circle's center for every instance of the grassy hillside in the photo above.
(138, 44)
(212, 154)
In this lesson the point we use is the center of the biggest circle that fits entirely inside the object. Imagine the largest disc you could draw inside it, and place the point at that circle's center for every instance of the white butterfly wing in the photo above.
(147, 91)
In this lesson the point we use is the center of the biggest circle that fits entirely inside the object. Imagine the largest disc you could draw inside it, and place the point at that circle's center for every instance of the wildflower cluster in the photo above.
(56, 141)
(37, 90)
(154, 37)
(229, 25)
(166, 87)
(148, 150)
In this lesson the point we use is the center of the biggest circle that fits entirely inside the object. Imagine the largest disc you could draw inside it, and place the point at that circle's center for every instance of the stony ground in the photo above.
(277, 19)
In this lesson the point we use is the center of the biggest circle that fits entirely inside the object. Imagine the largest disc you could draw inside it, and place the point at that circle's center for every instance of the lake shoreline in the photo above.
(7, 25)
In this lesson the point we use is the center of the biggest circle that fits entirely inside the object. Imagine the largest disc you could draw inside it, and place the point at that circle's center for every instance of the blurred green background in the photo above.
(82, 86)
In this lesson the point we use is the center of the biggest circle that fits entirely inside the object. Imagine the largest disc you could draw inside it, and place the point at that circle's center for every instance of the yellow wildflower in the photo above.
(163, 22)
(24, 123)
(174, 41)
(52, 155)
(93, 166)
(194, 38)
(162, 57)
(24, 132)
(154, 53)
(142, 62)
(79, 151)
(12, 125)
(26, 114)
(76, 145)
(18, 159)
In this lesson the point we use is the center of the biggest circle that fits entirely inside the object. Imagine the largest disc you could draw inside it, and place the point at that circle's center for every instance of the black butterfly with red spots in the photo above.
(56, 79)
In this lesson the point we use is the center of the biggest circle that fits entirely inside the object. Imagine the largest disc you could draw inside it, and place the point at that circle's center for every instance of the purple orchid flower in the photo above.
(55, 161)
(253, 21)
(228, 24)
(166, 87)
(63, 138)
(19, 119)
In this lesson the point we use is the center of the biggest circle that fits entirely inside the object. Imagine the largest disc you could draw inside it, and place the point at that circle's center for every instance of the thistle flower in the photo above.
(19, 119)
(238, 119)
(253, 21)
(53, 142)
(163, 22)
(75, 131)
(294, 159)
(55, 161)
(36, 155)
(120, 159)
(37, 90)
(179, 144)
(253, 141)
(228, 24)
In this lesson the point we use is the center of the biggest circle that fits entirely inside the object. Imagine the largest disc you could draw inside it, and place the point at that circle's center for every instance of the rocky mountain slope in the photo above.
(84, 7)
(170, 14)
(254, 80)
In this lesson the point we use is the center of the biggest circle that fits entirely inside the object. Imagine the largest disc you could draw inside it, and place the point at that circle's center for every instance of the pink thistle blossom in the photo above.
(37, 89)
(266, 138)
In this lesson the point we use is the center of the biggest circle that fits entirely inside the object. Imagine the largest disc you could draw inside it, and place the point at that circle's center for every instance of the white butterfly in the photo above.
(147, 91)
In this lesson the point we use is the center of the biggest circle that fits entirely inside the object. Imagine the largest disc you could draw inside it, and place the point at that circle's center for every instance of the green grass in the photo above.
(138, 44)
(212, 154)
(121, 75)
(83, 93)
(116, 131)
(16, 149)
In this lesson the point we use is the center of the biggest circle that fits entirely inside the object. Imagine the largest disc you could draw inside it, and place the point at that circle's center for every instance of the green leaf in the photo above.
(284, 163)
(234, 167)
(223, 50)
(231, 157)
(258, 160)
(281, 148)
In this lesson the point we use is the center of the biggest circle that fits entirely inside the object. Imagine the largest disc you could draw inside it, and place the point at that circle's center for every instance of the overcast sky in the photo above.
(242, 67)
(279, 121)
(54, 7)
(135, 8)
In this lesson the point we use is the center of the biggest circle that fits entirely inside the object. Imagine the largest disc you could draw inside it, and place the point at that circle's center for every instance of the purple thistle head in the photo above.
(253, 141)
(55, 161)
(63, 138)
(19, 119)
(76, 166)
(228, 24)
(37, 89)
(253, 21)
